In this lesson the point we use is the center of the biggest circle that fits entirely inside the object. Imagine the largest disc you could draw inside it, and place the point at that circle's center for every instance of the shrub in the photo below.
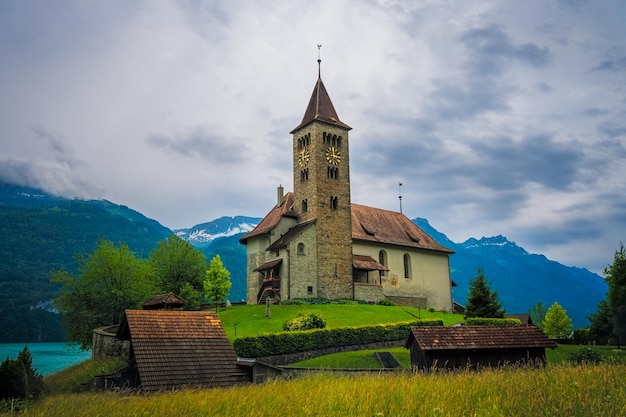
(484, 321)
(304, 322)
(302, 341)
(386, 302)
(585, 356)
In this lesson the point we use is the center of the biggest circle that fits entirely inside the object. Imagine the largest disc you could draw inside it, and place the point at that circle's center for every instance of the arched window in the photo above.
(382, 259)
(333, 173)
(305, 205)
(407, 266)
(301, 249)
(334, 202)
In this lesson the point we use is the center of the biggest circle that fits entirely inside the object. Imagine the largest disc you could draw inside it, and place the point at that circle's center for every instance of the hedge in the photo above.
(484, 321)
(302, 341)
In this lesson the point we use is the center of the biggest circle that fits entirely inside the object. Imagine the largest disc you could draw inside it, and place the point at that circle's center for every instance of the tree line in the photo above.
(113, 279)
(607, 323)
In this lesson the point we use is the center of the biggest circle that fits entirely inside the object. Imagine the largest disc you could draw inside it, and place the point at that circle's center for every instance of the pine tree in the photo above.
(557, 324)
(616, 296)
(482, 301)
(601, 328)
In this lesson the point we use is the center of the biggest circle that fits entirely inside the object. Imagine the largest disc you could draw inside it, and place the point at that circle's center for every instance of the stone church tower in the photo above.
(321, 178)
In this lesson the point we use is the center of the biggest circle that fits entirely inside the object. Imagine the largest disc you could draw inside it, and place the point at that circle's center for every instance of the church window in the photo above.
(382, 259)
(309, 289)
(301, 249)
(334, 202)
(333, 173)
(407, 266)
(305, 205)
(304, 174)
(339, 141)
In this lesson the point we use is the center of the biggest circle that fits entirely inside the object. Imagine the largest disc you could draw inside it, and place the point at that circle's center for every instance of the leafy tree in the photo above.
(217, 282)
(482, 301)
(601, 328)
(556, 324)
(178, 265)
(537, 314)
(616, 296)
(18, 379)
(110, 280)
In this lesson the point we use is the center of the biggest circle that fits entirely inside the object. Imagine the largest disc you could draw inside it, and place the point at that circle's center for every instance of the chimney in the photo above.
(280, 195)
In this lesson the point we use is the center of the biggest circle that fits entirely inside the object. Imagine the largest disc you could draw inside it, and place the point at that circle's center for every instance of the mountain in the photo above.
(41, 233)
(520, 278)
(201, 235)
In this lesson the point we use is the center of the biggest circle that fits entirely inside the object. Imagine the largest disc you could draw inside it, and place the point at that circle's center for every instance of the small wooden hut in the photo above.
(476, 347)
(177, 349)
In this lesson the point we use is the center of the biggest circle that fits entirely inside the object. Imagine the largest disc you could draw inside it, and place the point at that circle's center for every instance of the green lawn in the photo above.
(560, 354)
(250, 320)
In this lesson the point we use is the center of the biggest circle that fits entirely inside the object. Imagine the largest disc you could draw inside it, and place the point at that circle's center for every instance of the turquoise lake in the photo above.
(48, 358)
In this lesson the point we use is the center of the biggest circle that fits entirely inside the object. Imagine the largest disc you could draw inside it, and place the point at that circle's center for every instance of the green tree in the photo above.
(18, 379)
(110, 280)
(178, 265)
(482, 301)
(601, 328)
(616, 296)
(537, 314)
(557, 324)
(217, 282)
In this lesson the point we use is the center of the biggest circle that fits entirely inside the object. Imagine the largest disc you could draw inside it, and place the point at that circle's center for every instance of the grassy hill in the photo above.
(250, 320)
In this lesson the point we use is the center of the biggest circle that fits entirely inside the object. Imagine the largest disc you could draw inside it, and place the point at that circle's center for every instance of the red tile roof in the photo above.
(383, 226)
(479, 337)
(174, 349)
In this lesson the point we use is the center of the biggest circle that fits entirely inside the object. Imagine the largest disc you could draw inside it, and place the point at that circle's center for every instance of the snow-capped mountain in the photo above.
(203, 234)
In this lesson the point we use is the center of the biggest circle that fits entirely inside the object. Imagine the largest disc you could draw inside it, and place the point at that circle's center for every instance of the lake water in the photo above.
(48, 358)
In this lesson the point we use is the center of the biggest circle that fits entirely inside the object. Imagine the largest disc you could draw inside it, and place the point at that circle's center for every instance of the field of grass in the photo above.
(552, 391)
(250, 320)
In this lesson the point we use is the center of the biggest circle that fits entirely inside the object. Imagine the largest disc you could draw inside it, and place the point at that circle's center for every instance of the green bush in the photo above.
(487, 321)
(386, 302)
(585, 356)
(304, 322)
(302, 341)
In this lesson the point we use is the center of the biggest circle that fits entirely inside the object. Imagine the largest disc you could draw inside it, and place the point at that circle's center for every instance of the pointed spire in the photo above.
(320, 107)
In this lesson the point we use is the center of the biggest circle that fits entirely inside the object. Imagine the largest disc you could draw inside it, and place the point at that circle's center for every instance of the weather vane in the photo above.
(400, 195)
(319, 61)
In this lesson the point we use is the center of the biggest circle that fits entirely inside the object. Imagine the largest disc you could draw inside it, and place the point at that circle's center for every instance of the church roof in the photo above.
(291, 234)
(368, 224)
(390, 227)
(270, 221)
(320, 108)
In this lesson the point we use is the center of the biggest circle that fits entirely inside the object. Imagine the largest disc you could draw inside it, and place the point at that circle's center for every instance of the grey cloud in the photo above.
(611, 129)
(509, 164)
(199, 142)
(612, 65)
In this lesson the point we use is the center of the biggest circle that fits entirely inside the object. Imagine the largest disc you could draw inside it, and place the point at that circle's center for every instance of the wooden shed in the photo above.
(178, 349)
(476, 346)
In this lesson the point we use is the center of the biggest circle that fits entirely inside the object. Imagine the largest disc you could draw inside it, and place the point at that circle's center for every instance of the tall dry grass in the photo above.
(553, 391)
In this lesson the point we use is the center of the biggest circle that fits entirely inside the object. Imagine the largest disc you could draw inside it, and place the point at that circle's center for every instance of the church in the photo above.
(316, 243)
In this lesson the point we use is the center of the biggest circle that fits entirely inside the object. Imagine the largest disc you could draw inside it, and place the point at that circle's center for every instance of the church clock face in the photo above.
(303, 157)
(333, 156)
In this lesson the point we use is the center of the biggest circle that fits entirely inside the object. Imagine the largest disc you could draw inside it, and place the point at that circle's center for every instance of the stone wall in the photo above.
(368, 292)
(106, 346)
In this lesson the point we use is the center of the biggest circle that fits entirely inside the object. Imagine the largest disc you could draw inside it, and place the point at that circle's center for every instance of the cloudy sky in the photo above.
(498, 117)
